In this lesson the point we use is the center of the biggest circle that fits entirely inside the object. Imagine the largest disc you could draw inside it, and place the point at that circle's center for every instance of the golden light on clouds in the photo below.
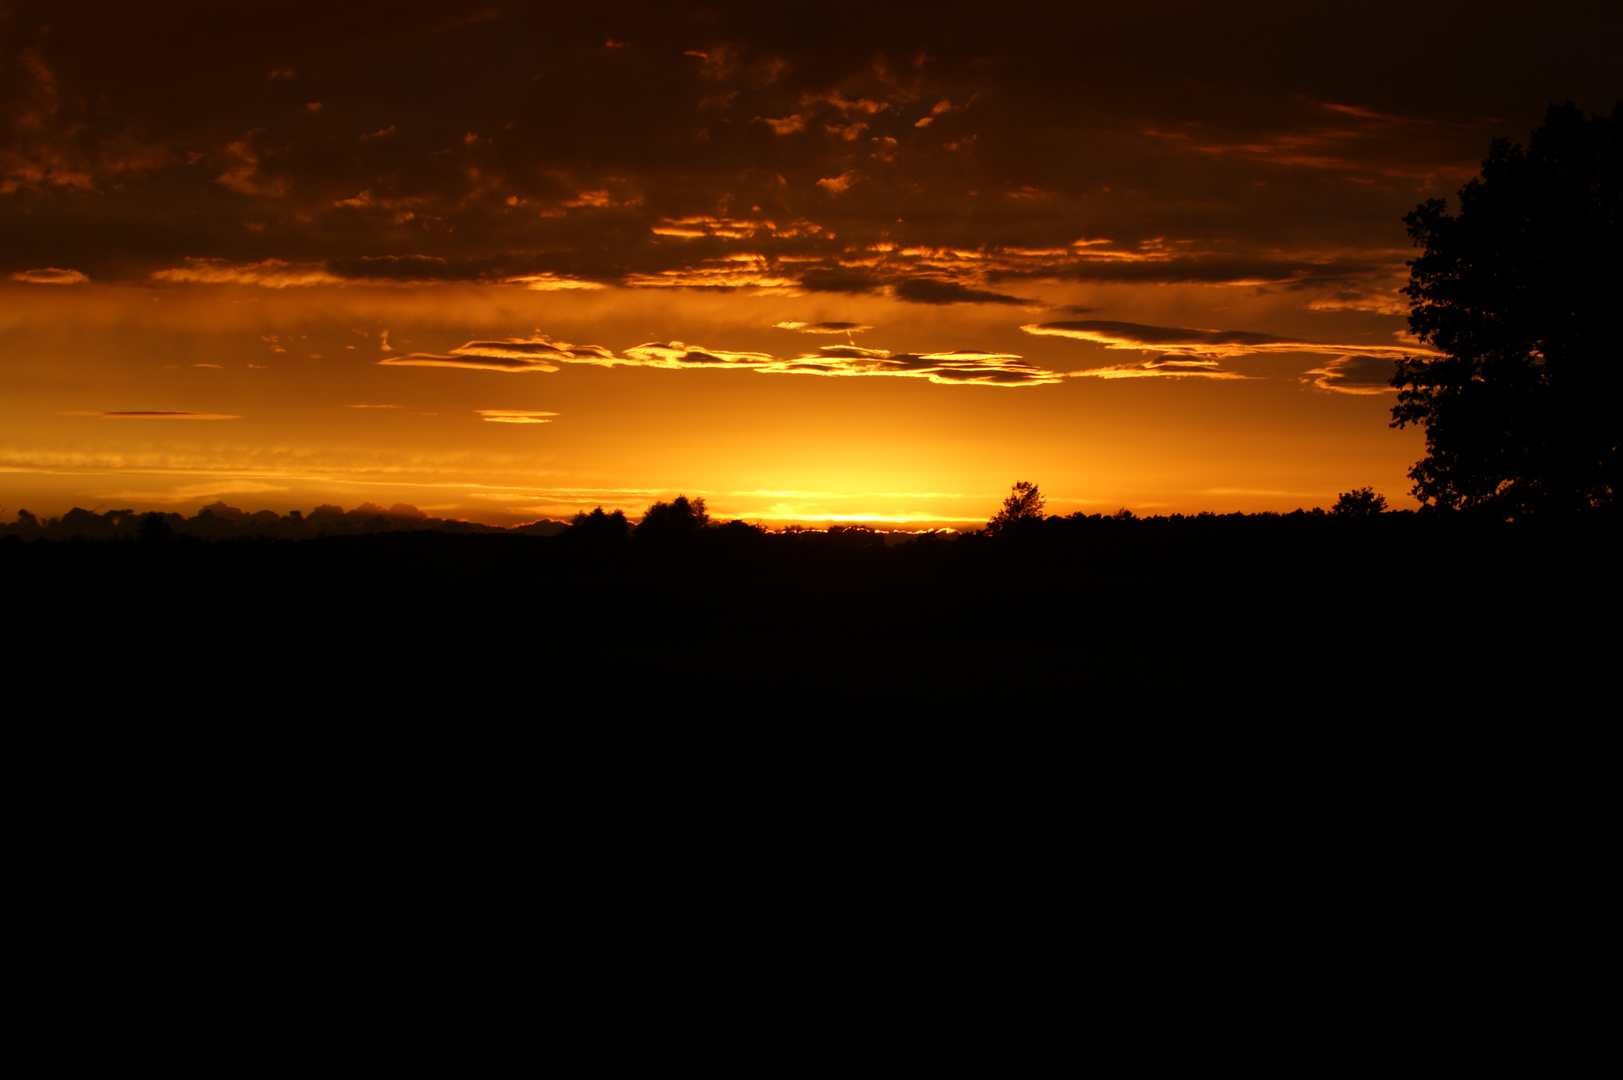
(516, 416)
(1190, 276)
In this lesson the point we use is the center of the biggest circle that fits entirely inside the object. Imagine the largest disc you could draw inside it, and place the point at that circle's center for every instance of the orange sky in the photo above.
(502, 266)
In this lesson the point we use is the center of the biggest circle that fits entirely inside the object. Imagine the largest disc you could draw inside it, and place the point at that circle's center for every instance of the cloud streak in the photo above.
(51, 275)
(151, 414)
(1357, 369)
(1202, 344)
(953, 367)
(515, 416)
(267, 273)
(823, 327)
(513, 355)
(1356, 374)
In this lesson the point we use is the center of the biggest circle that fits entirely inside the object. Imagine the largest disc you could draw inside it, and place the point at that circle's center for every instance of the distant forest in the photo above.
(664, 522)
(1356, 571)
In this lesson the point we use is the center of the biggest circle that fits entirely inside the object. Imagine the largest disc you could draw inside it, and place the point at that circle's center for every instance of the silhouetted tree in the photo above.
(1519, 293)
(598, 524)
(1025, 503)
(597, 532)
(155, 528)
(1359, 502)
(671, 522)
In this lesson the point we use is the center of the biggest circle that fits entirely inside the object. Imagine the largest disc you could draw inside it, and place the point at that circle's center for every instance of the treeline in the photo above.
(681, 534)
(218, 521)
(1303, 549)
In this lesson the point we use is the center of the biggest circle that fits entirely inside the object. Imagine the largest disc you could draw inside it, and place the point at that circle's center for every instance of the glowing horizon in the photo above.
(810, 275)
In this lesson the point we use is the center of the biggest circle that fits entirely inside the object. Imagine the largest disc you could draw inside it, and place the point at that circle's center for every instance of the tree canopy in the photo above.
(1516, 294)
(1025, 503)
(1359, 503)
(672, 522)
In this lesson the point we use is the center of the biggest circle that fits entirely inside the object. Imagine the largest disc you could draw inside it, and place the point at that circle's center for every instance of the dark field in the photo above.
(1344, 784)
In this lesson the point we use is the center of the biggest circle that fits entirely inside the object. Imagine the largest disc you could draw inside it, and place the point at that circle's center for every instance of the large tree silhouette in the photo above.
(1519, 294)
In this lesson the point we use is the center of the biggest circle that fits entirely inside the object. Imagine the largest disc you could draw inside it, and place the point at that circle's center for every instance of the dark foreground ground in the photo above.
(1315, 799)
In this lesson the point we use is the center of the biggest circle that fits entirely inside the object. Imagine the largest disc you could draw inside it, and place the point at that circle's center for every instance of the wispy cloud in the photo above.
(1203, 344)
(268, 273)
(1186, 351)
(513, 355)
(189, 492)
(953, 367)
(1357, 374)
(51, 275)
(516, 416)
(551, 282)
(1160, 367)
(823, 327)
(151, 414)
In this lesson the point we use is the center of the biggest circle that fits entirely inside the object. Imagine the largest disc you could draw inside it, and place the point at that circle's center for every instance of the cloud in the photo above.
(1160, 367)
(360, 270)
(512, 355)
(703, 225)
(960, 366)
(152, 414)
(852, 352)
(516, 416)
(473, 362)
(1356, 374)
(1203, 344)
(584, 168)
(551, 282)
(824, 327)
(677, 354)
(241, 174)
(188, 492)
(51, 275)
(46, 146)
(840, 280)
(933, 291)
(786, 126)
(835, 185)
(912, 290)
(269, 273)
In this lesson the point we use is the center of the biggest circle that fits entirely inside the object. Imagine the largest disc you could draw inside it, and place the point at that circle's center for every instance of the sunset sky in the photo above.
(845, 261)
